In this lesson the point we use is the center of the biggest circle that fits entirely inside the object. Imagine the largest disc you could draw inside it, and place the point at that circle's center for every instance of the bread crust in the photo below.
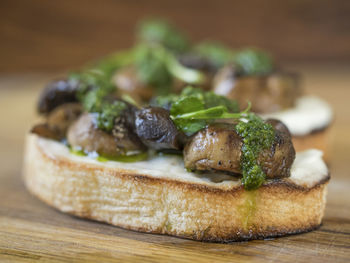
(149, 204)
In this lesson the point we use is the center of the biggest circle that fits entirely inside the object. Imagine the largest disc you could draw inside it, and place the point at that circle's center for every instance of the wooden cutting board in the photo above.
(32, 231)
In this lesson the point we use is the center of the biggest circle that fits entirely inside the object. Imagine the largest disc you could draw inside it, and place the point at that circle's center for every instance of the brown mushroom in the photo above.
(155, 128)
(219, 147)
(85, 135)
(58, 121)
(267, 93)
(56, 93)
(128, 82)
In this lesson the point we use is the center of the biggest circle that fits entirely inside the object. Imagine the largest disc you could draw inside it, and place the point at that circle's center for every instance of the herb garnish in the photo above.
(215, 52)
(194, 108)
(253, 61)
(162, 33)
(257, 135)
(158, 67)
(250, 61)
(94, 89)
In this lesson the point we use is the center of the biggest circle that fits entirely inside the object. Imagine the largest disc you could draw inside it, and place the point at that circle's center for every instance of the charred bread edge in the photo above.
(204, 235)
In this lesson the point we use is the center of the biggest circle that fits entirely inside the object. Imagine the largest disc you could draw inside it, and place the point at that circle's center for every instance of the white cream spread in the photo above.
(309, 113)
(307, 170)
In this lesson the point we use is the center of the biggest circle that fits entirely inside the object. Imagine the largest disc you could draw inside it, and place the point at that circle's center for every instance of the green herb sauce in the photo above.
(94, 88)
(124, 158)
(247, 209)
(121, 158)
(257, 136)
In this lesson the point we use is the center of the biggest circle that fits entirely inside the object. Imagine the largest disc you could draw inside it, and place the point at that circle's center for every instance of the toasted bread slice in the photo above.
(159, 196)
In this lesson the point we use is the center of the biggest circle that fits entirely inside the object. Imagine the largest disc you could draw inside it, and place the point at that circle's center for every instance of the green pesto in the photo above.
(257, 135)
(94, 88)
(108, 113)
(77, 152)
(120, 158)
(247, 209)
(124, 158)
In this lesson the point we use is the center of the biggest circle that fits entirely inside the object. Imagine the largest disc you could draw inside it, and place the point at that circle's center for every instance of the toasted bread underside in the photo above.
(141, 202)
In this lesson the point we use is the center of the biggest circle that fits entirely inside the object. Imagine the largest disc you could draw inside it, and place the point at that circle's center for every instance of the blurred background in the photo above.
(39, 35)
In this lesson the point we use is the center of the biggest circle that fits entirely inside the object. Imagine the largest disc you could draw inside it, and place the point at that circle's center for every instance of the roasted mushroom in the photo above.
(219, 147)
(155, 128)
(267, 93)
(85, 135)
(199, 63)
(57, 93)
(196, 61)
(128, 82)
(58, 121)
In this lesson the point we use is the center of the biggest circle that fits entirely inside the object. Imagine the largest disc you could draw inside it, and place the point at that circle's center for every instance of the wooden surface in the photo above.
(32, 231)
(37, 34)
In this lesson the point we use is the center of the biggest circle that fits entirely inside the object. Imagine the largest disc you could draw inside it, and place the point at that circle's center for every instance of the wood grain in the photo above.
(43, 35)
(31, 231)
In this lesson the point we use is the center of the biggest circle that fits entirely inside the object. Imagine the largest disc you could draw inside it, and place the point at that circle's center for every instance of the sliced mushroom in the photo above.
(219, 147)
(57, 93)
(267, 93)
(155, 128)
